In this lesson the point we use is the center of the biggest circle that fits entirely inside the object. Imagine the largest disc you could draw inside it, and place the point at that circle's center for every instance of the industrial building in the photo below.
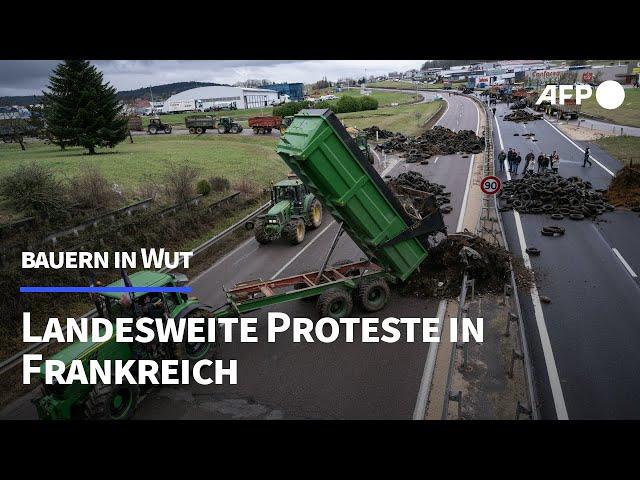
(203, 98)
(295, 91)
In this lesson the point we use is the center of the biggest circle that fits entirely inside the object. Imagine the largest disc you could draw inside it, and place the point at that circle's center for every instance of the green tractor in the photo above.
(118, 402)
(286, 121)
(363, 145)
(227, 125)
(293, 210)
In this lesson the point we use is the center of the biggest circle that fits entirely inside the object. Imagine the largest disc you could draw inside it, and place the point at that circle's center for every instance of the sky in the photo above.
(30, 77)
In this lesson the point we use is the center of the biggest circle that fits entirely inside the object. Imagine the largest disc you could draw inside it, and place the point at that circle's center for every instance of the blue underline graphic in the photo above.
(105, 289)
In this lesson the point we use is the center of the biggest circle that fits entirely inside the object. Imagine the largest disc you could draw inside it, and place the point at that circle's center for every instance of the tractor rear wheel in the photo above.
(222, 129)
(335, 303)
(152, 129)
(234, 129)
(260, 234)
(315, 213)
(294, 231)
(374, 295)
(197, 350)
(112, 402)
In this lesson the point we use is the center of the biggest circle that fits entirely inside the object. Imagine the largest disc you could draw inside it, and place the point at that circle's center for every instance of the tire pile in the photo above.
(521, 116)
(554, 195)
(437, 141)
(371, 132)
(416, 181)
(441, 273)
(518, 105)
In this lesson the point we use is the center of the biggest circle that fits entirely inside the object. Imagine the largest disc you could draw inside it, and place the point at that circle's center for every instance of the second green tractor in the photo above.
(293, 210)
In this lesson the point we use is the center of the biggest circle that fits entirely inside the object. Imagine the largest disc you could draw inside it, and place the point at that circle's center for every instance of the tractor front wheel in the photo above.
(167, 129)
(260, 234)
(315, 213)
(112, 402)
(335, 303)
(294, 231)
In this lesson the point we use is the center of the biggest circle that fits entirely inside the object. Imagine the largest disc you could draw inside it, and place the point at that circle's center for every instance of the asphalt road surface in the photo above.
(584, 344)
(312, 380)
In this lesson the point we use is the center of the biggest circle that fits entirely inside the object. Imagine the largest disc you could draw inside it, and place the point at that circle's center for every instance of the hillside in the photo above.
(160, 92)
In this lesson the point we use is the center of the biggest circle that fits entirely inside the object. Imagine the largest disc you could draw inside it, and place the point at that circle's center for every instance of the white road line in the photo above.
(463, 209)
(579, 148)
(445, 112)
(545, 341)
(429, 366)
(217, 264)
(436, 160)
(624, 262)
(303, 250)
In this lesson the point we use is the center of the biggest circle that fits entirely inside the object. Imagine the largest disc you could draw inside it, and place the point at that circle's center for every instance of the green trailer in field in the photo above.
(319, 150)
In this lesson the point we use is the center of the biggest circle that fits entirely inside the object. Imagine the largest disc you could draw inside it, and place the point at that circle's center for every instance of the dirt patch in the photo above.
(582, 133)
(441, 273)
(624, 189)
(555, 195)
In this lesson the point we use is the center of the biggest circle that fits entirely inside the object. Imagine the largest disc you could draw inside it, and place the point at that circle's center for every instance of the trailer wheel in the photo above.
(199, 130)
(112, 402)
(256, 130)
(374, 295)
(294, 231)
(335, 303)
(192, 130)
(167, 129)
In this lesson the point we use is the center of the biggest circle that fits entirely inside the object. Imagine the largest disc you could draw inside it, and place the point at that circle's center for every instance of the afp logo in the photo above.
(609, 94)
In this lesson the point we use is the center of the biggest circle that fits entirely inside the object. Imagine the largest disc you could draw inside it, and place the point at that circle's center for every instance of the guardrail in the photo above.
(15, 360)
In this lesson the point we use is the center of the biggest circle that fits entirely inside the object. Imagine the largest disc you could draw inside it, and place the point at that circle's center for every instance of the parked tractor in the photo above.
(118, 402)
(293, 210)
(227, 125)
(363, 145)
(156, 125)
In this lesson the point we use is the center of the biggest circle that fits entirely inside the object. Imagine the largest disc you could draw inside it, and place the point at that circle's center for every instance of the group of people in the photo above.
(514, 159)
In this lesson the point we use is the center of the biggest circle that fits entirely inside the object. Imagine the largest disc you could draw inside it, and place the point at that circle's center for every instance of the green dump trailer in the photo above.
(317, 147)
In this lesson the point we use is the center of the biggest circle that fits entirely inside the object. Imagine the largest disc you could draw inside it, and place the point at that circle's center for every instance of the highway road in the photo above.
(584, 343)
(299, 380)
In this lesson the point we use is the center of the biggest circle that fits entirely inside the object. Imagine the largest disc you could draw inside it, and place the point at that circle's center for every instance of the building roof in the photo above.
(216, 91)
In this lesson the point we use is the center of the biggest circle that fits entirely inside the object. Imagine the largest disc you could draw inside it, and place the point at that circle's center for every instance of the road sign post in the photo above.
(490, 185)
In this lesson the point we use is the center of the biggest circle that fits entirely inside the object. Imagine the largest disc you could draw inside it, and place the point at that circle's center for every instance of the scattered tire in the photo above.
(373, 295)
(576, 216)
(545, 299)
(335, 303)
(557, 216)
(533, 251)
(446, 209)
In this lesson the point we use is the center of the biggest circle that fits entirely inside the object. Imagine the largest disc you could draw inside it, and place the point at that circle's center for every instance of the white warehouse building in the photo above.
(206, 97)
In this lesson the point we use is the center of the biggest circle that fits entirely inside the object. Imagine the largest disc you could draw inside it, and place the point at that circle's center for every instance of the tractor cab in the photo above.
(291, 190)
(227, 125)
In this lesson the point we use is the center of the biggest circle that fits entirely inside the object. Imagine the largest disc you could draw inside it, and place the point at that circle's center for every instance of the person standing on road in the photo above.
(528, 160)
(501, 158)
(511, 159)
(494, 111)
(540, 162)
(545, 164)
(555, 162)
(586, 160)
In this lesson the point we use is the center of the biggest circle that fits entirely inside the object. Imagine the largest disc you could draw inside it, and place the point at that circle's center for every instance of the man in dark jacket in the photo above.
(511, 156)
(540, 162)
(516, 164)
(501, 158)
(545, 164)
(586, 160)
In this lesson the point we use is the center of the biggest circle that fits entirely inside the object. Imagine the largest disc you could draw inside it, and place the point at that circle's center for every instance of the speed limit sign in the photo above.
(490, 185)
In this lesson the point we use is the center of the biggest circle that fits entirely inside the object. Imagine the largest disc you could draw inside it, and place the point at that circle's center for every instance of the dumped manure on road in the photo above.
(441, 273)
(552, 194)
(436, 141)
(624, 189)
(522, 116)
(381, 133)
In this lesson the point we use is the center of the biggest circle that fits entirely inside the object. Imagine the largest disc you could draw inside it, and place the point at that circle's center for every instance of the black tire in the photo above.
(315, 213)
(557, 216)
(256, 130)
(196, 351)
(152, 130)
(199, 130)
(222, 129)
(335, 303)
(234, 129)
(576, 216)
(112, 402)
(192, 130)
(167, 129)
(294, 231)
(533, 251)
(374, 295)
(260, 234)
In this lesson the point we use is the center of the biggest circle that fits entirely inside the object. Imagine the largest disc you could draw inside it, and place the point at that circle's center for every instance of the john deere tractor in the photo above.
(227, 125)
(118, 402)
(293, 210)
(363, 145)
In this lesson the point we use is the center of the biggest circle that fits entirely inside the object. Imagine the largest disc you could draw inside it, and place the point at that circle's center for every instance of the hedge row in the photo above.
(344, 104)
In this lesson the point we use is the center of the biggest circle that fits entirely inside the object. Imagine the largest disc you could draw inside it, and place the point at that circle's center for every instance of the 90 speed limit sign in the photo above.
(490, 185)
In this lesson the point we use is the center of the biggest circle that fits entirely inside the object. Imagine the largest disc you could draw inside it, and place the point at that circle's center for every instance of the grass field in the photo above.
(130, 165)
(627, 114)
(384, 98)
(407, 119)
(625, 149)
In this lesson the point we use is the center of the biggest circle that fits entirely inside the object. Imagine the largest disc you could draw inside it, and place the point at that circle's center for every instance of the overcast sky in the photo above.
(29, 77)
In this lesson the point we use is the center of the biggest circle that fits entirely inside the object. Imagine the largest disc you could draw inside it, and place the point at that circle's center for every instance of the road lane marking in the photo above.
(429, 366)
(465, 198)
(436, 160)
(220, 261)
(624, 262)
(579, 148)
(446, 102)
(545, 341)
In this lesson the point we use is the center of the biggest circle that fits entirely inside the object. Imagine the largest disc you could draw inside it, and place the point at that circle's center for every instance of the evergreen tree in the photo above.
(81, 110)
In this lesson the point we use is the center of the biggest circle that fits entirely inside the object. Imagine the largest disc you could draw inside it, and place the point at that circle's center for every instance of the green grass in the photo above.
(407, 119)
(129, 165)
(384, 98)
(627, 114)
(625, 149)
